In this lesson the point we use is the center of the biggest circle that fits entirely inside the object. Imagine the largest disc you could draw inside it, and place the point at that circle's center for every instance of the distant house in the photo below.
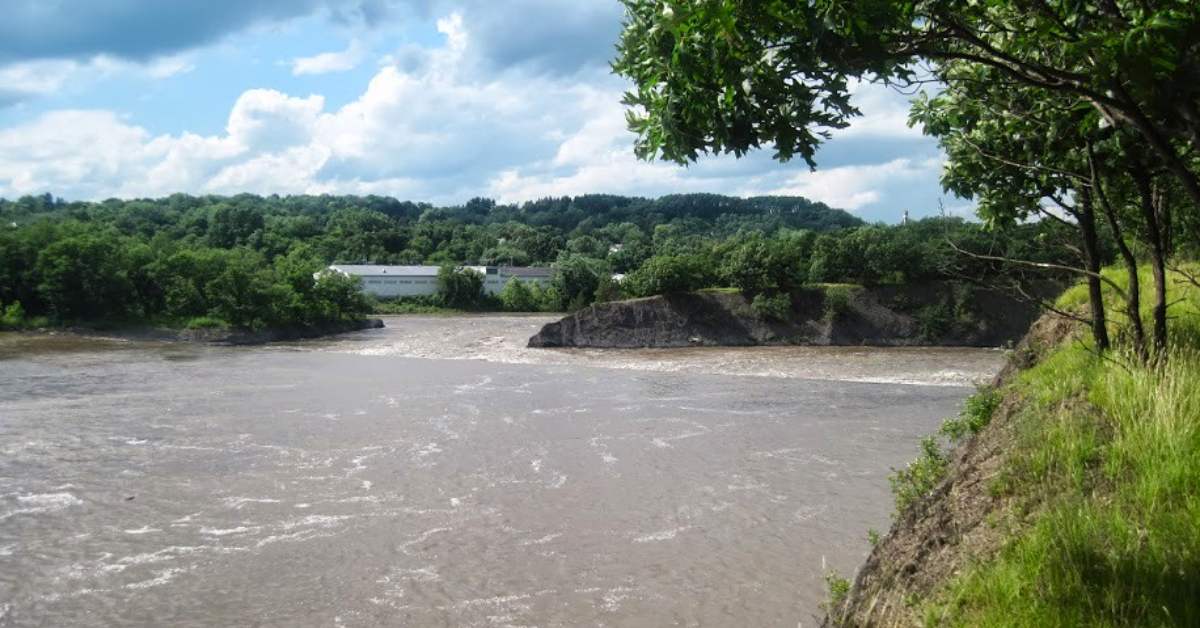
(412, 281)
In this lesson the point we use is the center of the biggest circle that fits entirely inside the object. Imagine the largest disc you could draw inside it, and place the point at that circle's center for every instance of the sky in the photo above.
(423, 100)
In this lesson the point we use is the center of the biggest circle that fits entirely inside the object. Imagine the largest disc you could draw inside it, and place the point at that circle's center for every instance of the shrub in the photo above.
(516, 297)
(205, 322)
(776, 307)
(837, 301)
(839, 588)
(976, 414)
(917, 479)
(608, 290)
(12, 316)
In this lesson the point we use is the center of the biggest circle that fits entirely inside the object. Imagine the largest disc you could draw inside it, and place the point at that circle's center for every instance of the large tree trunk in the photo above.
(1086, 218)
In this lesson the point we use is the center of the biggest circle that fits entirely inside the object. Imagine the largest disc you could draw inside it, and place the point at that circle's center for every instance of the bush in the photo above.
(205, 322)
(916, 480)
(516, 297)
(839, 588)
(12, 316)
(776, 307)
(837, 301)
(976, 414)
(608, 290)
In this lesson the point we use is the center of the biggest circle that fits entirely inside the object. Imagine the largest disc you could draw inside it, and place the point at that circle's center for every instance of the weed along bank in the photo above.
(413, 281)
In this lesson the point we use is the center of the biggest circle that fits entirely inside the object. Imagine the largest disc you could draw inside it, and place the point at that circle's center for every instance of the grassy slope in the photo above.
(1105, 479)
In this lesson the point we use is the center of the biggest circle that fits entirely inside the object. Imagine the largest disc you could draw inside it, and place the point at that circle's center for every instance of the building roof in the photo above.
(365, 270)
(372, 270)
(526, 271)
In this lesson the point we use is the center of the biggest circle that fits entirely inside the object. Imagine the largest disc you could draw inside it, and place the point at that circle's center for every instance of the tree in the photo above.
(516, 297)
(732, 75)
(576, 278)
(665, 274)
(459, 287)
(85, 277)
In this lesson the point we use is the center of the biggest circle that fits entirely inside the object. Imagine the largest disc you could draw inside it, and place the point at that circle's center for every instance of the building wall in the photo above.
(392, 286)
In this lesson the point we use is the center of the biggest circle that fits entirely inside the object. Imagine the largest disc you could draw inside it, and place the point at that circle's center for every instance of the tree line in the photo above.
(248, 261)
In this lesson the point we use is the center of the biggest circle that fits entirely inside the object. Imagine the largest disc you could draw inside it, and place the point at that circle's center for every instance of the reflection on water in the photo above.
(438, 473)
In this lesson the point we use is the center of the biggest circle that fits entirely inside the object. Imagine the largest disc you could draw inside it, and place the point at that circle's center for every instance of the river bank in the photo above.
(928, 314)
(1063, 495)
(208, 335)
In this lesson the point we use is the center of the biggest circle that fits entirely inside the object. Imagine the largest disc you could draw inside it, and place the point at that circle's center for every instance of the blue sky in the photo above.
(433, 100)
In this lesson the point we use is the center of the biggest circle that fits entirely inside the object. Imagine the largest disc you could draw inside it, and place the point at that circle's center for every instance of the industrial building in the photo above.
(411, 281)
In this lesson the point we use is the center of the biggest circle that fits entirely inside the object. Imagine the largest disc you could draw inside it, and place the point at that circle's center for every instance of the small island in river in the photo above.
(925, 314)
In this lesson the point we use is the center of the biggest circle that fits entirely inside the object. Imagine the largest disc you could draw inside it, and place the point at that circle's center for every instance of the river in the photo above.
(438, 473)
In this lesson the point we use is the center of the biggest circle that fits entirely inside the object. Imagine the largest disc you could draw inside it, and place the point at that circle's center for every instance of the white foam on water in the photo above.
(543, 540)
(560, 479)
(613, 598)
(466, 388)
(143, 530)
(323, 521)
(664, 535)
(360, 499)
(302, 535)
(164, 576)
(421, 538)
(237, 503)
(49, 500)
(808, 512)
(164, 554)
(35, 503)
(229, 531)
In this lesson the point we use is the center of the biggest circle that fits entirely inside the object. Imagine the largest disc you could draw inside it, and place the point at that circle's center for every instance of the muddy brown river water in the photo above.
(437, 473)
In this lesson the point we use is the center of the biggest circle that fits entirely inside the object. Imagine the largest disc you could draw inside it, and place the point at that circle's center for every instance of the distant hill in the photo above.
(711, 213)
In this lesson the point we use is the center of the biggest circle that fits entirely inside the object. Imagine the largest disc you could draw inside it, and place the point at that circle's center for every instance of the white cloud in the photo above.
(22, 81)
(268, 120)
(443, 129)
(853, 187)
(327, 62)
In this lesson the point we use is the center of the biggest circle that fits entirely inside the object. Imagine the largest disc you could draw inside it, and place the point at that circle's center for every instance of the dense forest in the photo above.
(248, 261)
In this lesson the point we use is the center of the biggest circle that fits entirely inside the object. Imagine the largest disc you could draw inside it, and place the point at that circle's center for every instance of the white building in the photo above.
(412, 281)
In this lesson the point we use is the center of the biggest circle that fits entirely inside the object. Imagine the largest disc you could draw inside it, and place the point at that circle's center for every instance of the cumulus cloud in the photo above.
(143, 29)
(430, 125)
(26, 80)
(327, 62)
(853, 187)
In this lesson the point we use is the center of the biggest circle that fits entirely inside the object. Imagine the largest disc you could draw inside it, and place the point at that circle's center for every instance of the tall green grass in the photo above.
(1106, 475)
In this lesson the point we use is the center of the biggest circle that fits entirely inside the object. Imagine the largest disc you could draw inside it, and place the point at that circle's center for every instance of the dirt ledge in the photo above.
(961, 521)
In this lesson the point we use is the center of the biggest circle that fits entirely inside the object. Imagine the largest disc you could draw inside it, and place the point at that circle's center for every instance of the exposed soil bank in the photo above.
(930, 314)
(961, 521)
(231, 336)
